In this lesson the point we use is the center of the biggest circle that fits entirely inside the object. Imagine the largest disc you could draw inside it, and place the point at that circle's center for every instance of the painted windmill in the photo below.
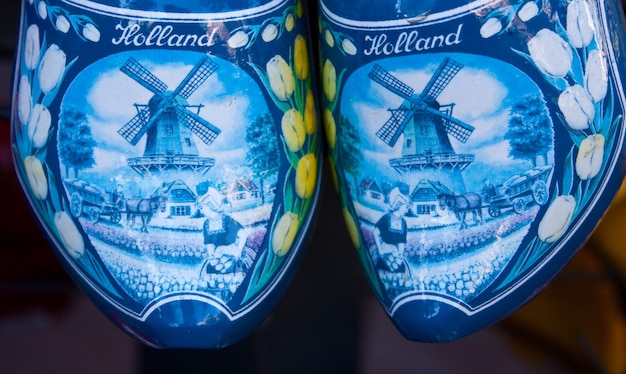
(168, 121)
(427, 127)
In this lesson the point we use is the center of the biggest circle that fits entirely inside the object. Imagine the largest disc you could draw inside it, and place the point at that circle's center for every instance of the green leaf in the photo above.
(568, 172)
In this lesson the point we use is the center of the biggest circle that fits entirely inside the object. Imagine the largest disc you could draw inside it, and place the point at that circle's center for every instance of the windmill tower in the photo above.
(426, 126)
(168, 121)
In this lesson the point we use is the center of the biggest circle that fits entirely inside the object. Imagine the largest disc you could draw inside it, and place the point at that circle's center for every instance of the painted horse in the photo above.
(462, 204)
(144, 208)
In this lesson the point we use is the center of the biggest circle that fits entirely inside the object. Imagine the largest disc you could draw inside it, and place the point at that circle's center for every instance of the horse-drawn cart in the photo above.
(93, 201)
(517, 192)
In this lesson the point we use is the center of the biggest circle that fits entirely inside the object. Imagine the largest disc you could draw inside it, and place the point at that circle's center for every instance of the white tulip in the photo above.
(269, 33)
(91, 32)
(590, 156)
(579, 24)
(62, 24)
(24, 100)
(577, 107)
(550, 53)
(238, 39)
(51, 68)
(557, 219)
(348, 47)
(491, 27)
(70, 237)
(42, 9)
(596, 75)
(32, 47)
(528, 11)
(39, 125)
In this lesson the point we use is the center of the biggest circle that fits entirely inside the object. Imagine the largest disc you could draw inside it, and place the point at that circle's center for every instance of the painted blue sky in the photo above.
(483, 92)
(230, 97)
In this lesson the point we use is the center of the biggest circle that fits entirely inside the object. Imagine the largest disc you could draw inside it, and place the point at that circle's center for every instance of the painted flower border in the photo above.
(577, 67)
(42, 67)
(288, 80)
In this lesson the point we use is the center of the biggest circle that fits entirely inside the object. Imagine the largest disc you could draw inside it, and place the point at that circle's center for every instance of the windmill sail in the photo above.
(441, 78)
(196, 77)
(132, 130)
(455, 127)
(391, 130)
(393, 84)
(203, 129)
(143, 76)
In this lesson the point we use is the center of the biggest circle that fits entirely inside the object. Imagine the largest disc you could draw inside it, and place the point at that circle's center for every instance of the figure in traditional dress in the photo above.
(390, 233)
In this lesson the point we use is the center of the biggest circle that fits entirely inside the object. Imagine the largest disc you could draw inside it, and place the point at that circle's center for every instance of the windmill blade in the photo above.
(441, 78)
(391, 130)
(196, 77)
(393, 84)
(134, 129)
(143, 76)
(457, 128)
(198, 125)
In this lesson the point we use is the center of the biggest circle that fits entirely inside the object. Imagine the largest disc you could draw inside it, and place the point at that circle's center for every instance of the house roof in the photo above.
(246, 184)
(427, 190)
(370, 184)
(166, 189)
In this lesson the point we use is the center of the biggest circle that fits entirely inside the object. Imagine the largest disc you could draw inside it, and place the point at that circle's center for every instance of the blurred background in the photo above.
(327, 321)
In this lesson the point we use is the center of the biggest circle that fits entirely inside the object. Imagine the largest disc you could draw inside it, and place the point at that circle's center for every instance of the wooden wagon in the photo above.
(521, 190)
(92, 201)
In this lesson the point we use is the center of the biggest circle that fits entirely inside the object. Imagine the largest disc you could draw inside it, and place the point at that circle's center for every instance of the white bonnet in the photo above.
(213, 199)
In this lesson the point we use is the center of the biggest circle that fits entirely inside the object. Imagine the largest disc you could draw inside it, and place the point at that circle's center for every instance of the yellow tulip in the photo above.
(310, 113)
(69, 235)
(330, 129)
(328, 36)
(36, 177)
(329, 82)
(301, 58)
(352, 227)
(284, 233)
(306, 176)
(290, 22)
(282, 81)
(299, 10)
(292, 125)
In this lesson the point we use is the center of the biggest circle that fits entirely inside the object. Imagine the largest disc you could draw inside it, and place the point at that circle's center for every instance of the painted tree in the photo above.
(75, 141)
(530, 131)
(263, 155)
(349, 142)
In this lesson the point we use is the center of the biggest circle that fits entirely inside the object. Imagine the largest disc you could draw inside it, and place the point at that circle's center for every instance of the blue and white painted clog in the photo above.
(476, 145)
(171, 154)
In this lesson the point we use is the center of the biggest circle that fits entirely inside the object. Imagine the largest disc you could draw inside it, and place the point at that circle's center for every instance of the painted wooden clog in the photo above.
(476, 145)
(170, 151)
